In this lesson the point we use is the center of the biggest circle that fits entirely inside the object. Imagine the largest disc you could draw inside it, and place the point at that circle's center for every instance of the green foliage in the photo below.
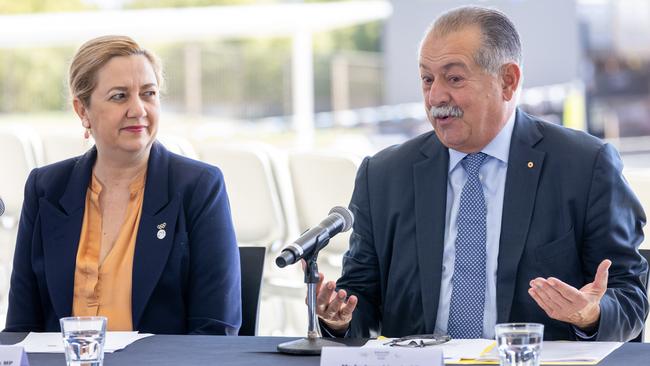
(364, 37)
(33, 79)
(144, 4)
(242, 78)
(245, 78)
(40, 6)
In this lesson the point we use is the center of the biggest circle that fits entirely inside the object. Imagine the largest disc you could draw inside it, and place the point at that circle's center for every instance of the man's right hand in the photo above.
(332, 306)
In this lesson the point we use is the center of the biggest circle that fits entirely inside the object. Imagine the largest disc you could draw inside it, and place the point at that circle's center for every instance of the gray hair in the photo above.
(500, 40)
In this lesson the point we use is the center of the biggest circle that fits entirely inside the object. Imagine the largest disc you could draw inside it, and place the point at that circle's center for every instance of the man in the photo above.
(493, 217)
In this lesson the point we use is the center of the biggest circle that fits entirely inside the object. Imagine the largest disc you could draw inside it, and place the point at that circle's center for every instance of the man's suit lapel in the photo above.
(430, 179)
(152, 252)
(61, 222)
(524, 169)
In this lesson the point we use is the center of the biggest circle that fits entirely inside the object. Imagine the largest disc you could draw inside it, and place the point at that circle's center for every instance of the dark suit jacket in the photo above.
(187, 282)
(561, 218)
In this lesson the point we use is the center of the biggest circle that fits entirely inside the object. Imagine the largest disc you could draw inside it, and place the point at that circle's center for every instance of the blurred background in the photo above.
(286, 97)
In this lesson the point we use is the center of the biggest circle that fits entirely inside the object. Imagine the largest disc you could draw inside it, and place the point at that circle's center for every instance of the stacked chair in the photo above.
(322, 180)
(21, 151)
(263, 212)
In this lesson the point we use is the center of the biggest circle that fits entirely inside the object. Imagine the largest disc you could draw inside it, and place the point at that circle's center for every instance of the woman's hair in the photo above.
(94, 54)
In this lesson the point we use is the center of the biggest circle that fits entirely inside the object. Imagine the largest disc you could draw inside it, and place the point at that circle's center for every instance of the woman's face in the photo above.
(124, 107)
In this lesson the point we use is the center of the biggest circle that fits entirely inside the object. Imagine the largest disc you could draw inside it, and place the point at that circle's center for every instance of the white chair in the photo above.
(254, 199)
(322, 180)
(257, 186)
(61, 144)
(178, 145)
(19, 146)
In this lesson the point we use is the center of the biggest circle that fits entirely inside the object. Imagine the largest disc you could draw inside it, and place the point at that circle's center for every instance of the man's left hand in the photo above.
(566, 303)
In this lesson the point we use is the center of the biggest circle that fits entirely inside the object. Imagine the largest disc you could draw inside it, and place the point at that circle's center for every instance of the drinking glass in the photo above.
(83, 340)
(519, 344)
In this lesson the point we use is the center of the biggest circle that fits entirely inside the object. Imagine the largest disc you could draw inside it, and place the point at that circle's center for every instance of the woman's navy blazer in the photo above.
(187, 281)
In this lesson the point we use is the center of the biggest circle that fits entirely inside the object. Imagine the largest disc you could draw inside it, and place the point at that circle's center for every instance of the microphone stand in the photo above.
(314, 342)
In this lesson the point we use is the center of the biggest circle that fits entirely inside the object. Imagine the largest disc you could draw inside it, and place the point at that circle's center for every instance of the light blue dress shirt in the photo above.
(493, 178)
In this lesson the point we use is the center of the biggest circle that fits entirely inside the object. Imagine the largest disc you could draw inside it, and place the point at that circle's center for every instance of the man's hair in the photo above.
(500, 42)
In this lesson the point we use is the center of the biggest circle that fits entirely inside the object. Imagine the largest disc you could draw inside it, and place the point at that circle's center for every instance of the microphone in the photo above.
(340, 219)
(2, 207)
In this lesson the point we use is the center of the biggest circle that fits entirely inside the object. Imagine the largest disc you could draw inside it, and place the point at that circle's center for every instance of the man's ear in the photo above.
(81, 111)
(510, 79)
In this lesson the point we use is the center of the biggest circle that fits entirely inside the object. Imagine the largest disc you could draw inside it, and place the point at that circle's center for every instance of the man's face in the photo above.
(469, 108)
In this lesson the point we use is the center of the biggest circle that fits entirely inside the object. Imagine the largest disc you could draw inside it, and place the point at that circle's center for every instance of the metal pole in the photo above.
(314, 329)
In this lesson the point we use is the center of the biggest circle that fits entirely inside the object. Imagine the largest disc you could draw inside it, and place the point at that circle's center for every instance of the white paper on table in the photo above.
(116, 341)
(391, 356)
(452, 351)
(53, 342)
(567, 352)
(577, 351)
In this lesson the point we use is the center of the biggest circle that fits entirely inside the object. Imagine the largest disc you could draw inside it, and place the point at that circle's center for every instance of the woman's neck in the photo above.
(119, 172)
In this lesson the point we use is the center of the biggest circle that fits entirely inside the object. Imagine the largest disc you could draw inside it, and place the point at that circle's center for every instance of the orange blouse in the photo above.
(105, 288)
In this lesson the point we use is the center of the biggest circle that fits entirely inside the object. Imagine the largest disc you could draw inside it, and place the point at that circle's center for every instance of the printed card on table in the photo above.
(13, 356)
(394, 356)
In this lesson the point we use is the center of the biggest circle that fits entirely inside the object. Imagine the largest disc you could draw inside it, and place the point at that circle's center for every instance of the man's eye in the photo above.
(455, 79)
(426, 80)
(150, 93)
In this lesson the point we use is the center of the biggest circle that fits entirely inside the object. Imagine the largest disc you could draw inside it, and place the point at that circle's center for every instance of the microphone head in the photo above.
(280, 262)
(2, 207)
(285, 258)
(348, 218)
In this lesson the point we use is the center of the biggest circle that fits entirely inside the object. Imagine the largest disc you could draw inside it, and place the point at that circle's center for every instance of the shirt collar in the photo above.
(498, 148)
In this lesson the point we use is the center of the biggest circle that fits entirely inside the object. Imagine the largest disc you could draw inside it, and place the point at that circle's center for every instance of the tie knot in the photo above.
(472, 163)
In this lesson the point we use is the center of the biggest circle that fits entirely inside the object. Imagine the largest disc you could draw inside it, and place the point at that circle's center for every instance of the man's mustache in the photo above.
(446, 111)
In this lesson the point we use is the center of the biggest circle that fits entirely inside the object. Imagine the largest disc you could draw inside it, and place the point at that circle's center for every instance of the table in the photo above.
(259, 351)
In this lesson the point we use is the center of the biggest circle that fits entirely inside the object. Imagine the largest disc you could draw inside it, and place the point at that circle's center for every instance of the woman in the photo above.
(129, 230)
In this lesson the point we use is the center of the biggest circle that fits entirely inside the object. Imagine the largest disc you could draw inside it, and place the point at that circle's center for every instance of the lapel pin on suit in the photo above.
(530, 165)
(161, 231)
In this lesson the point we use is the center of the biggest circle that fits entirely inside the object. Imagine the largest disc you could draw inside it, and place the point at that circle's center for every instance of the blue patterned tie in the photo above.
(468, 289)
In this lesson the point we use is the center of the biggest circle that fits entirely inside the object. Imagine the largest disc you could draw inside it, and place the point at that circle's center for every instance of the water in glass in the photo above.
(84, 347)
(519, 348)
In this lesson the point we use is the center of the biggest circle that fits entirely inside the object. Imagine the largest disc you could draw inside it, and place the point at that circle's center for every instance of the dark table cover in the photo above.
(258, 351)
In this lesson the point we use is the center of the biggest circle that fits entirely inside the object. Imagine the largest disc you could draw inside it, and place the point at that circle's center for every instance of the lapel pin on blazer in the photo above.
(530, 165)
(161, 231)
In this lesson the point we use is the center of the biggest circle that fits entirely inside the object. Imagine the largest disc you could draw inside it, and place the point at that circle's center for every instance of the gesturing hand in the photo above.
(563, 302)
(332, 306)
